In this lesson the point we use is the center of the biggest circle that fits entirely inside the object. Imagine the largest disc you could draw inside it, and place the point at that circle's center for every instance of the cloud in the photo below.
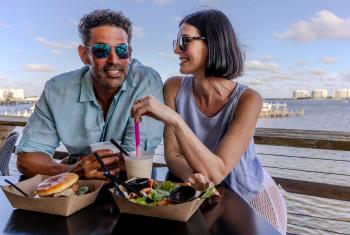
(138, 32)
(167, 55)
(281, 83)
(317, 72)
(252, 82)
(57, 47)
(345, 76)
(324, 25)
(5, 26)
(328, 60)
(301, 62)
(162, 3)
(40, 68)
(256, 65)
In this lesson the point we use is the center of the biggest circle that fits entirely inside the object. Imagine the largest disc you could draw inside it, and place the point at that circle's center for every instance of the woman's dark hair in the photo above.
(100, 18)
(225, 58)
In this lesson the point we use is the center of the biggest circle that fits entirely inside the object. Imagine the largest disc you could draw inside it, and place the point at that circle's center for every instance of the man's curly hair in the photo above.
(100, 18)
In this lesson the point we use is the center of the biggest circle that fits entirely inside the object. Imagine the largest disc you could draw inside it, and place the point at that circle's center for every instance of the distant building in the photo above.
(11, 94)
(319, 94)
(300, 94)
(342, 94)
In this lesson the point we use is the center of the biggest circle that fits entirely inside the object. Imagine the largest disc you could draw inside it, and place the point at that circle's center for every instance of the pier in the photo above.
(16, 102)
(278, 110)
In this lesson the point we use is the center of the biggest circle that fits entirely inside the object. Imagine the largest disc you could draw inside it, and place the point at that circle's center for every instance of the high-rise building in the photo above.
(11, 94)
(319, 94)
(300, 94)
(342, 94)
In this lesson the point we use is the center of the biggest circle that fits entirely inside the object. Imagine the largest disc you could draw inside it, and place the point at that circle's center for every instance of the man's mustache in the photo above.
(113, 67)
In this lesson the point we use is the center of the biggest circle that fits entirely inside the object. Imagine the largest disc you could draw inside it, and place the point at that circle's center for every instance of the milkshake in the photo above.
(141, 166)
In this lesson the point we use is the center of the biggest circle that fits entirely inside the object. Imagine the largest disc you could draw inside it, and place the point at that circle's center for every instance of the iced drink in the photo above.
(139, 166)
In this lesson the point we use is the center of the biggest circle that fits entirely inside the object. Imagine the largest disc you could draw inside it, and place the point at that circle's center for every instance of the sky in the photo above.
(288, 44)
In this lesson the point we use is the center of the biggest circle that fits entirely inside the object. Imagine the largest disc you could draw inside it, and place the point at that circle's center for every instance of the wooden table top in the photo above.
(229, 214)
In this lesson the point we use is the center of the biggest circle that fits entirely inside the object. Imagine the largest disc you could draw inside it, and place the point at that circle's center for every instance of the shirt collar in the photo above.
(86, 90)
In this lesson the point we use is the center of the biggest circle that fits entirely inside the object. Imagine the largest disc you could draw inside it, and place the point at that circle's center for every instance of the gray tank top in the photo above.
(247, 176)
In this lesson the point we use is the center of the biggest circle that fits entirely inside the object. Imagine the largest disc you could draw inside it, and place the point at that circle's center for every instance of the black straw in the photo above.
(119, 147)
(15, 186)
(115, 180)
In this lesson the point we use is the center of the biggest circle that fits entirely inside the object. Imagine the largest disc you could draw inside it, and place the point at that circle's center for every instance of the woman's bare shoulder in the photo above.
(249, 96)
(172, 86)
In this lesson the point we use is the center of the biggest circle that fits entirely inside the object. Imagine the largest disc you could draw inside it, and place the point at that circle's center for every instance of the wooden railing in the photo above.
(332, 140)
(329, 140)
(278, 137)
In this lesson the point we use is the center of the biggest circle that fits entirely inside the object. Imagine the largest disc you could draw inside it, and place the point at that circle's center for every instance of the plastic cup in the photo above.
(141, 166)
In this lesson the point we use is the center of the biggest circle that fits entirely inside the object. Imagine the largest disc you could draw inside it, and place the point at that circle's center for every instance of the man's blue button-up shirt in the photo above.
(68, 112)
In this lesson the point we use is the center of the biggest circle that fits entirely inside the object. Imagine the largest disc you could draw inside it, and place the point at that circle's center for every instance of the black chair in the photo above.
(6, 151)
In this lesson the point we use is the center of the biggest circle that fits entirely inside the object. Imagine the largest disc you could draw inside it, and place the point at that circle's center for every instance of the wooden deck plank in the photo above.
(12, 120)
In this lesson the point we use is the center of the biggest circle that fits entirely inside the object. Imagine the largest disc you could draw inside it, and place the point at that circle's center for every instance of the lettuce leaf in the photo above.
(143, 201)
(167, 186)
(158, 195)
(209, 192)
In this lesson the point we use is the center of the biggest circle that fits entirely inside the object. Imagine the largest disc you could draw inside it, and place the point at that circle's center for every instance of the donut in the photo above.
(56, 184)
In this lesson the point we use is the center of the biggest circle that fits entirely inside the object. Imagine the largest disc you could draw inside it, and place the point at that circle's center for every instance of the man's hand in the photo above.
(88, 167)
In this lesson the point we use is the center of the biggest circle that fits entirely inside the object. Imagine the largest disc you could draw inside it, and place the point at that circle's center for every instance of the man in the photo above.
(92, 104)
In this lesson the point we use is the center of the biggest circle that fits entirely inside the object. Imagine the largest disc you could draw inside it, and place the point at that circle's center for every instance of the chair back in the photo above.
(6, 151)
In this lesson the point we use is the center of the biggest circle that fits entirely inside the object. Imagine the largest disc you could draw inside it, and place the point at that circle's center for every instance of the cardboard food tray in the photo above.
(64, 206)
(179, 212)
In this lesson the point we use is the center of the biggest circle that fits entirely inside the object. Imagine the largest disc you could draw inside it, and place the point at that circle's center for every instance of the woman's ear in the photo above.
(84, 54)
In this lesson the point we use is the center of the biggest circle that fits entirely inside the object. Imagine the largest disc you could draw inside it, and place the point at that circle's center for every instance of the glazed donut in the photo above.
(56, 184)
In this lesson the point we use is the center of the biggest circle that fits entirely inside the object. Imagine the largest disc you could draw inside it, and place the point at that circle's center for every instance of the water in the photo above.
(328, 115)
(16, 110)
(306, 214)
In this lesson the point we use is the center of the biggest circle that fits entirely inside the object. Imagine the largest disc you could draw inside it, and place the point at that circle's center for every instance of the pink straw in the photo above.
(137, 138)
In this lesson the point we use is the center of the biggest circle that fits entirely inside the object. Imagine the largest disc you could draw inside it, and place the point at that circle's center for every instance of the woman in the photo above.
(210, 118)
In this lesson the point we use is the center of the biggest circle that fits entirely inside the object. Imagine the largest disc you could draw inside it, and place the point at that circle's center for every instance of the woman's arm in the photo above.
(217, 165)
(175, 161)
(182, 142)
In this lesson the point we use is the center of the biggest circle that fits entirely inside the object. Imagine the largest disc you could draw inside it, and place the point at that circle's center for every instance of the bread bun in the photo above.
(56, 184)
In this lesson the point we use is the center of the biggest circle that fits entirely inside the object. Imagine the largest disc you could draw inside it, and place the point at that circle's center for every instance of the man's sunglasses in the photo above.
(183, 41)
(102, 51)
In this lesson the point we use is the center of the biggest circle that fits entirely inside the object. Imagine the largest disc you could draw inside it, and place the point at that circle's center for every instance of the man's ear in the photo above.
(84, 54)
(130, 54)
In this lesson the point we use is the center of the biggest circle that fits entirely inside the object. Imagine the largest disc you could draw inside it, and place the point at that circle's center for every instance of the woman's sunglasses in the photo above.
(102, 51)
(182, 42)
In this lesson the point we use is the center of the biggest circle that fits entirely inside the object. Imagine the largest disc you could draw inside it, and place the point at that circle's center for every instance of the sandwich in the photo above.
(62, 185)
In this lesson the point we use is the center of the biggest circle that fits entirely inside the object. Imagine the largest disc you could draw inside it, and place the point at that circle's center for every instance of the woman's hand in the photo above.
(198, 178)
(202, 182)
(150, 106)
